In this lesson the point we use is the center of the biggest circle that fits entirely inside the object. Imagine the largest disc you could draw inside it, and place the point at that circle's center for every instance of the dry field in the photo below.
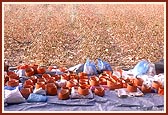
(65, 35)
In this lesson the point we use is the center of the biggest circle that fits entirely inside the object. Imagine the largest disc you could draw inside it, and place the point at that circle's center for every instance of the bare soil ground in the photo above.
(65, 35)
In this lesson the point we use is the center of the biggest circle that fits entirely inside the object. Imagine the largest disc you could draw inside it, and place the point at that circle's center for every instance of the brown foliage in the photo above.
(67, 34)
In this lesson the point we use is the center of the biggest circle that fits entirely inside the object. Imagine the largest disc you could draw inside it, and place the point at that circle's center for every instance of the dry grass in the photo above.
(66, 35)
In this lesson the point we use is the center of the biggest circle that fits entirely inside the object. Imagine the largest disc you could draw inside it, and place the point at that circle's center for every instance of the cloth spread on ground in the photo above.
(109, 102)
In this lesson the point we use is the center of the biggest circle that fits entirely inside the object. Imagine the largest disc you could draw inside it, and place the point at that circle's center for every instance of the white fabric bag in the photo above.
(13, 96)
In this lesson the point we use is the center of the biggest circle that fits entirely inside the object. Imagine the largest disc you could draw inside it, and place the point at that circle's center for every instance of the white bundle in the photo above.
(21, 72)
(160, 78)
(13, 96)
(39, 91)
(76, 95)
(61, 83)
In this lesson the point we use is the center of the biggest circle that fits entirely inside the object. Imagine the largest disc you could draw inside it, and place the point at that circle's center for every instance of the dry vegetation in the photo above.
(66, 35)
